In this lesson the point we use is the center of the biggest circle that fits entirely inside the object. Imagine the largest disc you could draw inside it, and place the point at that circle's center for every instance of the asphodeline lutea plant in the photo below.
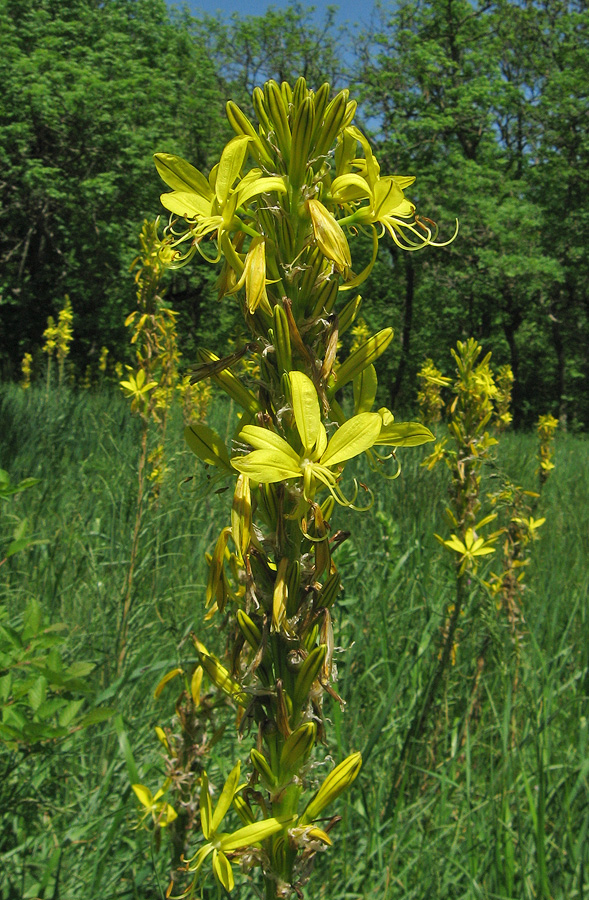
(277, 211)
(546, 427)
(26, 368)
(504, 385)
(149, 385)
(429, 397)
(470, 412)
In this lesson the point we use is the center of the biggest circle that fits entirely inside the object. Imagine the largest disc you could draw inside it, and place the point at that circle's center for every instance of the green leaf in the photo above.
(95, 716)
(126, 750)
(32, 619)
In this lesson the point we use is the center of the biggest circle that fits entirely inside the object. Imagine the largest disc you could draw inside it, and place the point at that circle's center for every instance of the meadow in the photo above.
(491, 799)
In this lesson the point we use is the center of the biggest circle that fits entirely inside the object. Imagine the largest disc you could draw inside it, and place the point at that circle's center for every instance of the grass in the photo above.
(494, 800)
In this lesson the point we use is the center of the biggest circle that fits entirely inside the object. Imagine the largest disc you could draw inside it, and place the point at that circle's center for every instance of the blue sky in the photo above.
(350, 11)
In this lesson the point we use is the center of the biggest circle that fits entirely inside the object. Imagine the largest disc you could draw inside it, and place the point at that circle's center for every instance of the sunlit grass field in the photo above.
(493, 801)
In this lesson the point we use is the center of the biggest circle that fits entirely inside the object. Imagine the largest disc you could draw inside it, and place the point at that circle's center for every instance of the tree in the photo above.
(90, 92)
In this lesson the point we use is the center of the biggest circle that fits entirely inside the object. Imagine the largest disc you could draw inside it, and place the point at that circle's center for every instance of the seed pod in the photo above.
(325, 297)
(219, 675)
(216, 567)
(241, 516)
(335, 783)
(279, 597)
(293, 582)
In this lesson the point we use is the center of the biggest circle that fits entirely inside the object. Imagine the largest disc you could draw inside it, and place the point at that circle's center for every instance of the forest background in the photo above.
(485, 102)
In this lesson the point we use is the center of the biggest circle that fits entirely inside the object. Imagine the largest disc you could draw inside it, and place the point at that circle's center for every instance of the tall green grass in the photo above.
(493, 801)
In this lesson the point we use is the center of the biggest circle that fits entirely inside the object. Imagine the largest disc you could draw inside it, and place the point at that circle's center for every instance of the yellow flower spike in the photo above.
(330, 236)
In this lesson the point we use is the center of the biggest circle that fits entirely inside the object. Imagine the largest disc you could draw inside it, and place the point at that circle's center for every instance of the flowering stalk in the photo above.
(277, 211)
(149, 386)
(546, 428)
(429, 397)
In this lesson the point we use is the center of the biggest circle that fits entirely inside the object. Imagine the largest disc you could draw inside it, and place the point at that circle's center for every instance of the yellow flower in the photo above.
(273, 459)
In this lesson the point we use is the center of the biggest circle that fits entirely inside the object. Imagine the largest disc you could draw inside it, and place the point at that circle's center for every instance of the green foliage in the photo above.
(89, 93)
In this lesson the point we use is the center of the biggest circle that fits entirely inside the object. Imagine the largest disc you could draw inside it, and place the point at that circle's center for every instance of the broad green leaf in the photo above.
(226, 798)
(404, 434)
(354, 437)
(181, 175)
(79, 669)
(305, 404)
(38, 692)
(96, 716)
(32, 618)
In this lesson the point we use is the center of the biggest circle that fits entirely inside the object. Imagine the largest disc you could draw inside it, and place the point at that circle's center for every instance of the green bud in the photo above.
(363, 357)
(335, 783)
(306, 676)
(282, 340)
(297, 748)
(261, 766)
(249, 629)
